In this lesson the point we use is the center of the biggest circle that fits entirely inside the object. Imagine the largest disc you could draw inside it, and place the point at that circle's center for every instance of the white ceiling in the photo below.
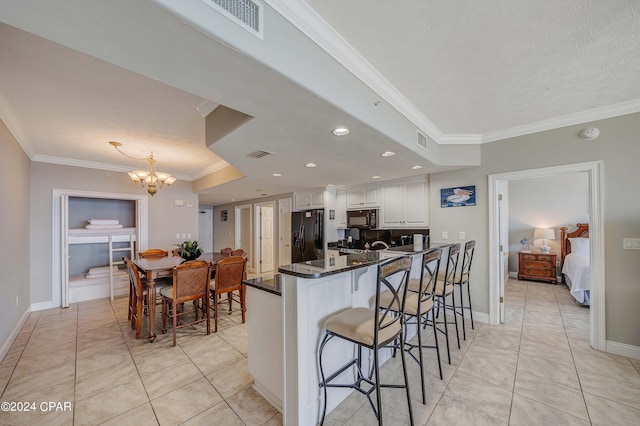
(461, 71)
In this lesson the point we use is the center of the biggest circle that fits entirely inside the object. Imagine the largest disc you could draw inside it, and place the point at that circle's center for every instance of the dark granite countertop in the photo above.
(335, 265)
(269, 284)
(411, 249)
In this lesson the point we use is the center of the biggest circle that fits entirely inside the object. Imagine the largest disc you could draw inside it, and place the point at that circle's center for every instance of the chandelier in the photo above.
(150, 178)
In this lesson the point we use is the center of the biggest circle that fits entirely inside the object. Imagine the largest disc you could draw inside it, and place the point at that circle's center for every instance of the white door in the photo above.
(284, 220)
(266, 239)
(205, 229)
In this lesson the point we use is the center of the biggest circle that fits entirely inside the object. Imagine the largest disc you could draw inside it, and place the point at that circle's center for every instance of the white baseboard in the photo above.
(14, 333)
(622, 349)
(270, 397)
(41, 306)
(513, 275)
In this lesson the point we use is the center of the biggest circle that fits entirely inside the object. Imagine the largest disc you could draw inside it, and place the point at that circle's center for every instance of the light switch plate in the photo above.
(178, 202)
(631, 243)
(445, 235)
(462, 235)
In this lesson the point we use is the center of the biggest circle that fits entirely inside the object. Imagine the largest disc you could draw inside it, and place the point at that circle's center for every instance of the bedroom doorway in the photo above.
(497, 185)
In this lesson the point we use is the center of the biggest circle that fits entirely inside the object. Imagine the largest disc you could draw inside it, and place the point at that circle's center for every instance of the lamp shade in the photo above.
(544, 234)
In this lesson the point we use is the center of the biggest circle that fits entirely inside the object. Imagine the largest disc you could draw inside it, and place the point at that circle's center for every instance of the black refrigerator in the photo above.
(307, 235)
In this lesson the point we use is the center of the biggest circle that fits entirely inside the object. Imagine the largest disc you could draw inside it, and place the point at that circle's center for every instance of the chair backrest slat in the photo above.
(230, 272)
(191, 280)
(388, 274)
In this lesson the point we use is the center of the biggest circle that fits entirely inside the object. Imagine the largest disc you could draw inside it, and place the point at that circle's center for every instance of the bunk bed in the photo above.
(96, 281)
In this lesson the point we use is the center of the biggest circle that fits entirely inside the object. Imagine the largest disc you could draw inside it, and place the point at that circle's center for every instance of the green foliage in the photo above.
(189, 250)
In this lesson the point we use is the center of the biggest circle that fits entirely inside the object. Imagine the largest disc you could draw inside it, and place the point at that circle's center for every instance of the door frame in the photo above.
(257, 243)
(59, 246)
(239, 232)
(594, 170)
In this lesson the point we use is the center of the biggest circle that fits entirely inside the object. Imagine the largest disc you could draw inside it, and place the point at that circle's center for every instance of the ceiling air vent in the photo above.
(259, 154)
(246, 13)
(422, 140)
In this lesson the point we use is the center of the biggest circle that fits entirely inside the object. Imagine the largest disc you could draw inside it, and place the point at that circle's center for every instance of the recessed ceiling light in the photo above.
(388, 154)
(340, 131)
(310, 165)
(330, 184)
(417, 167)
(276, 174)
(375, 177)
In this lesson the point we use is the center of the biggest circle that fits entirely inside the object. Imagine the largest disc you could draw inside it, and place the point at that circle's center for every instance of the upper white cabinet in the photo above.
(405, 204)
(309, 200)
(341, 208)
(363, 198)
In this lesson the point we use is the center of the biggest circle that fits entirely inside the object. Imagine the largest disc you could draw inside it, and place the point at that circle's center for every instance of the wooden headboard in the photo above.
(582, 231)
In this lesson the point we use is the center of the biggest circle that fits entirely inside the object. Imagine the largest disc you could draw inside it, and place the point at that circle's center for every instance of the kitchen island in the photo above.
(284, 330)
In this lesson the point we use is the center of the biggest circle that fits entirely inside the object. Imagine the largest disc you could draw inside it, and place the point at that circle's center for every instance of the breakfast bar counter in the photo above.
(284, 330)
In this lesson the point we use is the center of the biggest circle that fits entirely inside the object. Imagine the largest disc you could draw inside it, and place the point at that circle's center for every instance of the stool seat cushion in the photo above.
(410, 306)
(358, 325)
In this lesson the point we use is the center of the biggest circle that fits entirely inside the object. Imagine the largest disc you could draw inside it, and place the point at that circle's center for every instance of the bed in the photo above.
(575, 261)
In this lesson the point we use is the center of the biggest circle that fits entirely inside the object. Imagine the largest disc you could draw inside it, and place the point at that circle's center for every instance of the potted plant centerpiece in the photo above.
(189, 250)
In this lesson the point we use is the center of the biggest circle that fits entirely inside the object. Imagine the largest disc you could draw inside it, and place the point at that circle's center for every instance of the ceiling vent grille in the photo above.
(246, 13)
(422, 140)
(259, 154)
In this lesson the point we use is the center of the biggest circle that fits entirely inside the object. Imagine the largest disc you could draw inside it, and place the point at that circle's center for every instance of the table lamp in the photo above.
(544, 234)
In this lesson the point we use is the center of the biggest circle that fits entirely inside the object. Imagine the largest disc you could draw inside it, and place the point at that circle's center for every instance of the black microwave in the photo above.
(362, 219)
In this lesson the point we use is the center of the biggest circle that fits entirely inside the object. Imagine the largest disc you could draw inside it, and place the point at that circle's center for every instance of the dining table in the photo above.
(151, 268)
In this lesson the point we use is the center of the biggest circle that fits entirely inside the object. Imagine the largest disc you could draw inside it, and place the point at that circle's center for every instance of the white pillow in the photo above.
(579, 245)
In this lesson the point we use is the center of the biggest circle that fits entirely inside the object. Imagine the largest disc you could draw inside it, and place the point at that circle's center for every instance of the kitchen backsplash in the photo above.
(393, 237)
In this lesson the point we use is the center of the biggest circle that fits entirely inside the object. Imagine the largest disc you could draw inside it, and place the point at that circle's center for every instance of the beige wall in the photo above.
(165, 219)
(619, 149)
(14, 229)
(548, 202)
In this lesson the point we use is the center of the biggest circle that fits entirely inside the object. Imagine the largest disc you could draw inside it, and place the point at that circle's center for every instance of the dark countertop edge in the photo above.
(255, 283)
(322, 274)
(401, 250)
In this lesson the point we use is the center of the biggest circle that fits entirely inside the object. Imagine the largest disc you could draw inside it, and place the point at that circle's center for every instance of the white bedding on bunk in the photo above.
(120, 279)
(576, 268)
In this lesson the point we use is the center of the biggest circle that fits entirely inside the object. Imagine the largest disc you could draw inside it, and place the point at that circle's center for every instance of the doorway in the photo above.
(243, 232)
(497, 184)
(205, 229)
(284, 231)
(264, 241)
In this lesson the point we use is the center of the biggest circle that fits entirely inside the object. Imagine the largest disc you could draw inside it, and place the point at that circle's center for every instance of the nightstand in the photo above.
(537, 266)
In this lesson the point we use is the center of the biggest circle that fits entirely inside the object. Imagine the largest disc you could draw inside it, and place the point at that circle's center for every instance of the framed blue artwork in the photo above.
(459, 196)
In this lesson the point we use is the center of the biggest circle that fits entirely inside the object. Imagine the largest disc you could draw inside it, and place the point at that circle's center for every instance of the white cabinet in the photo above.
(363, 198)
(341, 208)
(404, 204)
(309, 200)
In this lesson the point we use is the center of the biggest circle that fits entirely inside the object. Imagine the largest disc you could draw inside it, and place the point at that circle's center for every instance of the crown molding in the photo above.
(595, 114)
(311, 24)
(64, 161)
(211, 169)
(11, 122)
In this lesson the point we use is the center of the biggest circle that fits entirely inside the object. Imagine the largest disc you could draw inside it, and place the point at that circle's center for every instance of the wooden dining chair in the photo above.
(137, 296)
(153, 253)
(226, 251)
(229, 272)
(156, 254)
(190, 283)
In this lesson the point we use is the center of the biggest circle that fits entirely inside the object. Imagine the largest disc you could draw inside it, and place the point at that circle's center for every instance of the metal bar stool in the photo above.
(462, 279)
(372, 329)
(417, 307)
(444, 287)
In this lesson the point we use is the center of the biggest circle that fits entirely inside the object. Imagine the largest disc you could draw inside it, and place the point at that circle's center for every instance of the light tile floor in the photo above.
(536, 369)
